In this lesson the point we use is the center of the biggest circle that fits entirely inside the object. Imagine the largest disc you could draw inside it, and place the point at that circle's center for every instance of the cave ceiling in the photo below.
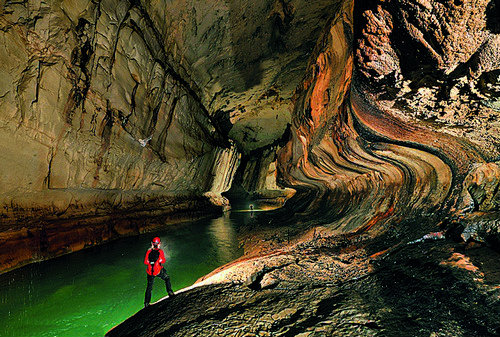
(245, 58)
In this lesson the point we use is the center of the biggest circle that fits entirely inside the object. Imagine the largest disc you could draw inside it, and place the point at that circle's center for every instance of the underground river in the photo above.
(88, 292)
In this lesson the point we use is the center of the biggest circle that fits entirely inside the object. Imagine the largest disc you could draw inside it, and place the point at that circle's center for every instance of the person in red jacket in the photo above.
(154, 260)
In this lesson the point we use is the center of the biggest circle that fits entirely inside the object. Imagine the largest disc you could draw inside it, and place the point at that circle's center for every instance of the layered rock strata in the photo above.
(97, 122)
(104, 101)
(343, 153)
(379, 169)
(357, 156)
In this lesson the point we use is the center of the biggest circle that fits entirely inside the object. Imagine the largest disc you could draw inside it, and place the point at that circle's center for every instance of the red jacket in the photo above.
(154, 269)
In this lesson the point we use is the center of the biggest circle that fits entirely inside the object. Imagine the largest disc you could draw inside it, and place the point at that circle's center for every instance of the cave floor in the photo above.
(331, 287)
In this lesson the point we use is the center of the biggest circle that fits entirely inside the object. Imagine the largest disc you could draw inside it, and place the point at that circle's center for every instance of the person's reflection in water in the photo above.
(251, 210)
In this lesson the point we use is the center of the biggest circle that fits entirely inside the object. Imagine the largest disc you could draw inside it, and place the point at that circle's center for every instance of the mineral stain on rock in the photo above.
(373, 123)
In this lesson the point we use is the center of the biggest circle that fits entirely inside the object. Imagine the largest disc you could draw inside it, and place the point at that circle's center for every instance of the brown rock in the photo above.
(482, 184)
(413, 34)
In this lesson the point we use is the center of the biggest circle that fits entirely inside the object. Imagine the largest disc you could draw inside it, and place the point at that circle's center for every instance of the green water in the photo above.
(89, 292)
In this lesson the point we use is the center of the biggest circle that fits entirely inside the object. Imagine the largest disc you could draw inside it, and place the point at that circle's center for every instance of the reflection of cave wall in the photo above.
(116, 109)
(99, 129)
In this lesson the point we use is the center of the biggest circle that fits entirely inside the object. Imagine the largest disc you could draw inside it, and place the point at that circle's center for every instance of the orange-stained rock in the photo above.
(111, 108)
(482, 185)
(50, 233)
(356, 166)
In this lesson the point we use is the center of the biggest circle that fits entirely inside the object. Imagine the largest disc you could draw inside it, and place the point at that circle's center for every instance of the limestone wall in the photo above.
(97, 126)
(89, 101)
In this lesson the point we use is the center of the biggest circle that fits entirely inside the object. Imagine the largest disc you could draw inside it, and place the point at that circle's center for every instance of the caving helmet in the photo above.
(156, 242)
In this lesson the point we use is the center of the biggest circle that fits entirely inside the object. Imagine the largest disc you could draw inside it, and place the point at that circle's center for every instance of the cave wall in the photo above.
(98, 127)
(361, 159)
(83, 84)
(112, 110)
(130, 108)
(136, 96)
(436, 62)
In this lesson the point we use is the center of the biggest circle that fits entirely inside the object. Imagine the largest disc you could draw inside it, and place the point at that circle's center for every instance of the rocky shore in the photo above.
(377, 119)
(339, 286)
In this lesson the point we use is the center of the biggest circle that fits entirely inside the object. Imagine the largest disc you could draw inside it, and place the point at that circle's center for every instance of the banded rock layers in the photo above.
(358, 156)
(373, 177)
(381, 115)
(120, 108)
(96, 122)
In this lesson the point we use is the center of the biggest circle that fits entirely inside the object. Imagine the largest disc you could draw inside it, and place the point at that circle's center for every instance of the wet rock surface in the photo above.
(365, 159)
(96, 121)
(109, 103)
(381, 115)
(430, 288)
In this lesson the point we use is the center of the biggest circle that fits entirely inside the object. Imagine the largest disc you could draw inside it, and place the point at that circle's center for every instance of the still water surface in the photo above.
(88, 292)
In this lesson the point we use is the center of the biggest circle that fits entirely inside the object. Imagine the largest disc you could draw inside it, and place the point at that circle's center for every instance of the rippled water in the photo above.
(89, 292)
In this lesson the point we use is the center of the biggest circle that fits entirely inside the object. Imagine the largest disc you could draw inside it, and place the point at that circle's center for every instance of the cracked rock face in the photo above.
(377, 178)
(95, 120)
(435, 63)
(87, 91)
(89, 100)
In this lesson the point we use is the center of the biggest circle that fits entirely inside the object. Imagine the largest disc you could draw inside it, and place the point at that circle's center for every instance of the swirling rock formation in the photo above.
(113, 111)
(363, 151)
(378, 154)
(346, 154)
(381, 115)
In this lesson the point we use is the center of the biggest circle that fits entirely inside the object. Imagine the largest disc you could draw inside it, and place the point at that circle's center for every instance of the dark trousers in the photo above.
(164, 276)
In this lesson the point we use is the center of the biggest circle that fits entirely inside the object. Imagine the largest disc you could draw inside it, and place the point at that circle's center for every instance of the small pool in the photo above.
(88, 292)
